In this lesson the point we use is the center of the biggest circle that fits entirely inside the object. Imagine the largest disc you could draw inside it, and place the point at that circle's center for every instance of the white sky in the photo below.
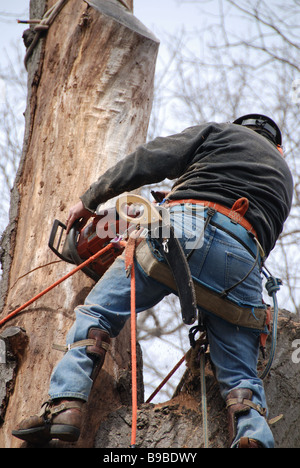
(158, 15)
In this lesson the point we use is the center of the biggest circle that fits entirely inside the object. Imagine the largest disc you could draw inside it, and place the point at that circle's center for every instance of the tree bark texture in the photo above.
(89, 102)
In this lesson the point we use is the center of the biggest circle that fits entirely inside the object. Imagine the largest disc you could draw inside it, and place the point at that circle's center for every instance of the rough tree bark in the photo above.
(89, 101)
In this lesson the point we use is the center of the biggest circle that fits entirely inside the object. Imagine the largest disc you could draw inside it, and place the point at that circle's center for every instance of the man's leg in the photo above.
(221, 263)
(234, 352)
(103, 315)
(107, 308)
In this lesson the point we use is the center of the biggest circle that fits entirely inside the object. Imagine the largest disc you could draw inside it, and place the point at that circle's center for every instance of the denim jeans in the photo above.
(218, 261)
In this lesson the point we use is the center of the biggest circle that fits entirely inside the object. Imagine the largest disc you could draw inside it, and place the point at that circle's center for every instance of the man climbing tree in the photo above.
(232, 176)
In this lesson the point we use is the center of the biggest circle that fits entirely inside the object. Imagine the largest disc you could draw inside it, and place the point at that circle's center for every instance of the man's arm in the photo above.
(164, 157)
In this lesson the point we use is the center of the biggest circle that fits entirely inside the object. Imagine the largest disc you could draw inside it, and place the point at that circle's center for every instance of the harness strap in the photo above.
(207, 299)
(78, 344)
(49, 410)
(234, 401)
(174, 255)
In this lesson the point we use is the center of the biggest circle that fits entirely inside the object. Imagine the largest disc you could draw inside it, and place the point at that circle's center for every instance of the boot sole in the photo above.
(43, 434)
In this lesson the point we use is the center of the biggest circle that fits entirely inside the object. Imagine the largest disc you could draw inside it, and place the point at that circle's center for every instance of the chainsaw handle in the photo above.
(53, 239)
(69, 249)
(150, 214)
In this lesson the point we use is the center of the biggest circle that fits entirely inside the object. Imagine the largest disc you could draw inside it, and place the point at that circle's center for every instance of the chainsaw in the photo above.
(81, 243)
(109, 225)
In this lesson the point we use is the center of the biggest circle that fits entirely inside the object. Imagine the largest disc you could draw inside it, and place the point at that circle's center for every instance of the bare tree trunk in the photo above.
(90, 96)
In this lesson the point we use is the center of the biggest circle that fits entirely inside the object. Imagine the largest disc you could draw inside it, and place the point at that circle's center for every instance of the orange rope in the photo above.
(129, 266)
(35, 298)
(133, 359)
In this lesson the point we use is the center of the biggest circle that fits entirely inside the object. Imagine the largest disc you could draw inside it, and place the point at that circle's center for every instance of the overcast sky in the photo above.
(157, 15)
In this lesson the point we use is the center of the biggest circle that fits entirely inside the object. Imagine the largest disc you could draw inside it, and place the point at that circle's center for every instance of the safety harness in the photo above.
(175, 272)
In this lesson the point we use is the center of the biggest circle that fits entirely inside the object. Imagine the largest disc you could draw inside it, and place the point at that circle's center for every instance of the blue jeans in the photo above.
(218, 261)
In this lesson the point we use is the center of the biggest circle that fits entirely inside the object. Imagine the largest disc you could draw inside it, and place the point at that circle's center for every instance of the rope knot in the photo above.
(273, 285)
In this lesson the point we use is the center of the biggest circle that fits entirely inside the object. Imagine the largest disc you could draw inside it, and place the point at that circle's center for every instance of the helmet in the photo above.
(263, 122)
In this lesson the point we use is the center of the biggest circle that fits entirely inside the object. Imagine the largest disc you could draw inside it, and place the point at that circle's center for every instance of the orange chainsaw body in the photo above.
(80, 244)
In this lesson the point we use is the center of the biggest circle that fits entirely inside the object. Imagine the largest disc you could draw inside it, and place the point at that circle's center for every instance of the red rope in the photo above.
(166, 379)
(35, 298)
(129, 266)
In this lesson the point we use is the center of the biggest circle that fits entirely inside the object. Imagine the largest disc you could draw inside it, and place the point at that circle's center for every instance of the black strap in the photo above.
(178, 264)
(176, 259)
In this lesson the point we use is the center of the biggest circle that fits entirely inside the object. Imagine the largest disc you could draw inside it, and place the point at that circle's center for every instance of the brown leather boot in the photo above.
(238, 403)
(60, 419)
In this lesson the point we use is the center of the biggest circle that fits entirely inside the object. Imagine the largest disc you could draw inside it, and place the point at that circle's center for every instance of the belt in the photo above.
(230, 220)
(236, 213)
(206, 298)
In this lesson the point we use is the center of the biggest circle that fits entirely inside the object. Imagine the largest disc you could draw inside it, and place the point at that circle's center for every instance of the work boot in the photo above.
(60, 419)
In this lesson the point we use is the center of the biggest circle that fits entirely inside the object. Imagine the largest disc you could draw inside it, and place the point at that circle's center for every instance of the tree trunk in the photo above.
(89, 102)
